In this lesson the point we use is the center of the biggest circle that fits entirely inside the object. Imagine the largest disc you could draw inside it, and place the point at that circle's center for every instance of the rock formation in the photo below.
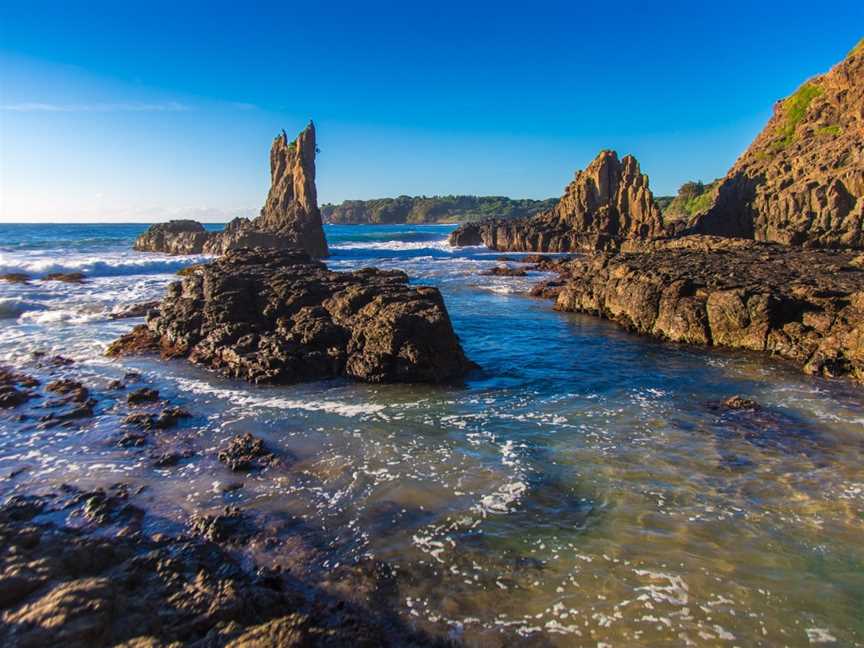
(289, 219)
(277, 316)
(804, 305)
(606, 203)
(801, 182)
(173, 237)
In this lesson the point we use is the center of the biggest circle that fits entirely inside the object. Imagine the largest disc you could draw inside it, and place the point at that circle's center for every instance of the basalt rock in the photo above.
(805, 305)
(801, 182)
(606, 203)
(290, 218)
(174, 237)
(277, 316)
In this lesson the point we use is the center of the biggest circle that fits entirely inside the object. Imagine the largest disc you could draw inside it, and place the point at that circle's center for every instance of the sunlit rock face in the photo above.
(608, 202)
(801, 181)
(290, 218)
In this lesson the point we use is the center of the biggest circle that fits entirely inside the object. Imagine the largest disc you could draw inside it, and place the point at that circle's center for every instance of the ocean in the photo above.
(580, 488)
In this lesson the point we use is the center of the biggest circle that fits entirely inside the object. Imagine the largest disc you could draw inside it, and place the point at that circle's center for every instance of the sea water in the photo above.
(580, 488)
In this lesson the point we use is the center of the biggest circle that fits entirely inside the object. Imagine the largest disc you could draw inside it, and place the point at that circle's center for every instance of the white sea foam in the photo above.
(438, 244)
(246, 399)
(92, 266)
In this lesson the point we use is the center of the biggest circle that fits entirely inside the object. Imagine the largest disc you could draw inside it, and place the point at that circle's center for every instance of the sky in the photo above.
(140, 112)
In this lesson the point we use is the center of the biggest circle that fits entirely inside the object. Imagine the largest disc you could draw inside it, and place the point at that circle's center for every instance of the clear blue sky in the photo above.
(143, 111)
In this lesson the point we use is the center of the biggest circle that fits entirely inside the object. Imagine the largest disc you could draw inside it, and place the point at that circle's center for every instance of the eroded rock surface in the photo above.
(290, 218)
(63, 586)
(277, 316)
(174, 237)
(606, 203)
(801, 181)
(804, 305)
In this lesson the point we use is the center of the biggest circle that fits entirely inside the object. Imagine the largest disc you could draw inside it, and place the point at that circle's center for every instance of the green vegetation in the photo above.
(431, 209)
(693, 197)
(794, 109)
(834, 130)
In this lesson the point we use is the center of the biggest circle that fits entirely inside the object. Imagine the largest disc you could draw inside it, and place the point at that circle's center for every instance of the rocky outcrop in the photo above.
(606, 203)
(801, 182)
(277, 316)
(174, 237)
(290, 218)
(804, 305)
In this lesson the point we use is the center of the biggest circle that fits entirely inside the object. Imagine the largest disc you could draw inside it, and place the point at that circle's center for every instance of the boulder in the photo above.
(173, 237)
(278, 316)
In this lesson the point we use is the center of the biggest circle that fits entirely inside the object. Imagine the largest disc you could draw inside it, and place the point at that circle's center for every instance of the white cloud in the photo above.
(32, 106)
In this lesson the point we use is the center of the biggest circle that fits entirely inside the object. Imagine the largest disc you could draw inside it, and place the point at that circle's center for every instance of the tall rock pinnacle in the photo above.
(292, 202)
(606, 203)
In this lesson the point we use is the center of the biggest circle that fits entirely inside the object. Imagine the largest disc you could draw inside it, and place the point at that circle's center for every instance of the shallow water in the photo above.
(581, 488)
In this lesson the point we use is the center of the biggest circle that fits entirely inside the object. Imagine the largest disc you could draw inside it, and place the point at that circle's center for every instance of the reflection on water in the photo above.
(583, 487)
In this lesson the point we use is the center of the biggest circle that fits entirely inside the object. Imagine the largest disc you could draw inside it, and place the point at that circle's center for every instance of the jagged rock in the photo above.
(290, 218)
(16, 277)
(246, 452)
(174, 237)
(278, 316)
(606, 203)
(801, 182)
(143, 395)
(504, 271)
(803, 305)
(738, 402)
(66, 277)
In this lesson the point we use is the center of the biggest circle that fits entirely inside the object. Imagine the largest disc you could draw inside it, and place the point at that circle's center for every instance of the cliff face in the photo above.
(606, 203)
(289, 219)
(801, 182)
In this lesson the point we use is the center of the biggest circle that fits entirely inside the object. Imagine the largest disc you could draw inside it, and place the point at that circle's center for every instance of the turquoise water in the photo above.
(580, 488)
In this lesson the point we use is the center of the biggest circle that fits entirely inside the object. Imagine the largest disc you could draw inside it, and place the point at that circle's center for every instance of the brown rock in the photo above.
(605, 204)
(142, 395)
(67, 277)
(173, 237)
(742, 294)
(801, 182)
(246, 452)
(504, 271)
(290, 218)
(277, 316)
(15, 277)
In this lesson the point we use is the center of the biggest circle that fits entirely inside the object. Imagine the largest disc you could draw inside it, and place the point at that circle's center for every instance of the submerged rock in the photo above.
(66, 277)
(803, 305)
(15, 277)
(504, 271)
(290, 218)
(246, 452)
(277, 316)
(606, 203)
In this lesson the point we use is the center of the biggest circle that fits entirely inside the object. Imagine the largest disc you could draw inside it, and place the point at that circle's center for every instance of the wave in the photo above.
(92, 266)
(12, 307)
(435, 244)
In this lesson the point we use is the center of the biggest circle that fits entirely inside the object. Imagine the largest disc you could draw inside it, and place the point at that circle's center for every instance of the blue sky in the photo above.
(145, 111)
